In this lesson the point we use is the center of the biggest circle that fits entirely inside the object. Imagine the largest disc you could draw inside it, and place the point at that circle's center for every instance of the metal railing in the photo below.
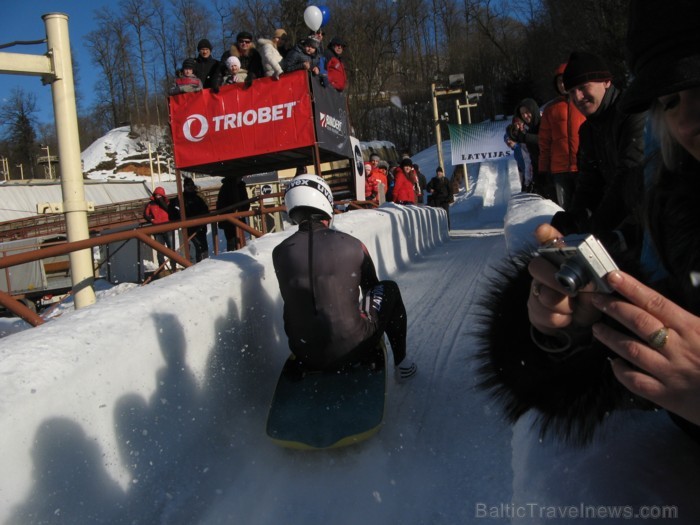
(140, 233)
(144, 234)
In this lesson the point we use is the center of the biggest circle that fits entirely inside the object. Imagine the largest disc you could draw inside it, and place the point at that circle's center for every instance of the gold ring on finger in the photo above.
(659, 338)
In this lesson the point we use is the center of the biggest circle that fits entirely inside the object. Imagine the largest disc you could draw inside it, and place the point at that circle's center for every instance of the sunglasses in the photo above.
(244, 41)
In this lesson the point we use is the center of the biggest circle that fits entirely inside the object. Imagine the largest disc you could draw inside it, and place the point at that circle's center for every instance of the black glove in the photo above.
(248, 81)
(215, 89)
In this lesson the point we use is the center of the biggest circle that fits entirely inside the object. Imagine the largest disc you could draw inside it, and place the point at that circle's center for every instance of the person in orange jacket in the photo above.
(558, 141)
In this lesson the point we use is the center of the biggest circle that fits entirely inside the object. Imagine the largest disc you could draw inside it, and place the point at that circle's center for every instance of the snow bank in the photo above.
(110, 397)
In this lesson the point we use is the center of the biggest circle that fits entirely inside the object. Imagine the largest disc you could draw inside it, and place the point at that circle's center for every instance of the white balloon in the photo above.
(313, 17)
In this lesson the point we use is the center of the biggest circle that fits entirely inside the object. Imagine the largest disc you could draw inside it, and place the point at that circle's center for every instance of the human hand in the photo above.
(315, 71)
(307, 65)
(550, 308)
(665, 371)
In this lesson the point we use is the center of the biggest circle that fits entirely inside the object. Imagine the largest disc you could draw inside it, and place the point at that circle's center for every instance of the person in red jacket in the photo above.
(405, 183)
(370, 183)
(558, 141)
(156, 212)
(379, 174)
(334, 63)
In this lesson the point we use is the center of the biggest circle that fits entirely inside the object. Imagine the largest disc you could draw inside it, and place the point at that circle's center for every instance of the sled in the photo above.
(328, 409)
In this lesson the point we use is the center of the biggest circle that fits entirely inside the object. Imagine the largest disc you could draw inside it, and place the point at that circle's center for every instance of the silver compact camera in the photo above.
(580, 259)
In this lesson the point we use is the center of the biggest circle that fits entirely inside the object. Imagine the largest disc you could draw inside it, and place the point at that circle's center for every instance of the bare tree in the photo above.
(138, 15)
(192, 23)
(18, 115)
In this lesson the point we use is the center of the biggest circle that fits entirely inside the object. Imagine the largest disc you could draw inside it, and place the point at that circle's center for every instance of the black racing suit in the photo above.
(320, 273)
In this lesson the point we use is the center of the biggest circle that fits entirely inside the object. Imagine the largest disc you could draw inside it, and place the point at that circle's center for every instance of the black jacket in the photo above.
(295, 59)
(320, 273)
(440, 190)
(206, 70)
(531, 137)
(610, 183)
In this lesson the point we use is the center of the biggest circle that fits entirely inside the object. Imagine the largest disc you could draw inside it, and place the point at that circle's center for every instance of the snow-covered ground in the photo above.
(149, 407)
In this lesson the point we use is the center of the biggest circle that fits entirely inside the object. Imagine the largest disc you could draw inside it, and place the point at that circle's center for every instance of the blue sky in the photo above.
(21, 20)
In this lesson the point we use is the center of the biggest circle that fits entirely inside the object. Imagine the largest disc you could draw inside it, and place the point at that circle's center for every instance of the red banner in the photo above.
(268, 117)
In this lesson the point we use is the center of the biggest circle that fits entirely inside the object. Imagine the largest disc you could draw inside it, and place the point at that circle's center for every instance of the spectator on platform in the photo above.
(234, 74)
(249, 57)
(186, 81)
(335, 68)
(303, 56)
(207, 66)
(271, 52)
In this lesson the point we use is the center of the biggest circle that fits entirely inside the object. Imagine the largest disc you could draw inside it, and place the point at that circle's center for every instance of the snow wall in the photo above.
(109, 398)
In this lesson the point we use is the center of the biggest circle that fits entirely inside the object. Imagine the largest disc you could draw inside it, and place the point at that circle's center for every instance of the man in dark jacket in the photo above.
(195, 206)
(232, 197)
(320, 273)
(611, 152)
(248, 55)
(440, 191)
(207, 66)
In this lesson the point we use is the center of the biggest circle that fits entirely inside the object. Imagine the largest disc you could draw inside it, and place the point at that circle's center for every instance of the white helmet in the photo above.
(307, 194)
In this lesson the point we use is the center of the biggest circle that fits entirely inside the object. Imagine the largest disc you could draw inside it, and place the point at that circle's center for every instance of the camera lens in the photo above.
(572, 277)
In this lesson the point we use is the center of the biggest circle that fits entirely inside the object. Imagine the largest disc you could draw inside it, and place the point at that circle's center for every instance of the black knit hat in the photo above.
(310, 42)
(337, 41)
(406, 162)
(663, 43)
(244, 35)
(584, 67)
(189, 63)
(204, 43)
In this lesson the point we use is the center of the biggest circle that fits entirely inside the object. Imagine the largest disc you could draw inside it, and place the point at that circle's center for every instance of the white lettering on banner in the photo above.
(329, 121)
(251, 117)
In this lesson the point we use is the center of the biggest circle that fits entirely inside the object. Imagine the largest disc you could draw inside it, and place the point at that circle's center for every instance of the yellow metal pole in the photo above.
(436, 119)
(65, 112)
